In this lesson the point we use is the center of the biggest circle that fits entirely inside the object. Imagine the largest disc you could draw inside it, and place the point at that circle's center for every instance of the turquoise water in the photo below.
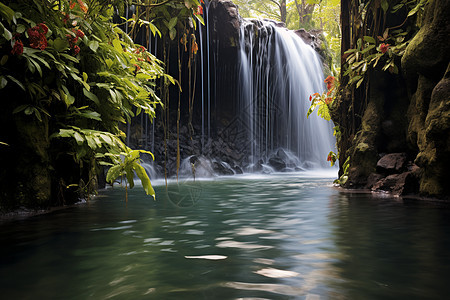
(290, 236)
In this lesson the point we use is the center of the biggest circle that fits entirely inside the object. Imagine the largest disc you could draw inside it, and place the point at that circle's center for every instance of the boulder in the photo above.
(226, 22)
(373, 179)
(222, 168)
(309, 38)
(277, 163)
(391, 163)
(397, 184)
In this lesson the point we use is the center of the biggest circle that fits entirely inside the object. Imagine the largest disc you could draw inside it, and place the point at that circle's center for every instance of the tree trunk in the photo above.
(345, 33)
(283, 12)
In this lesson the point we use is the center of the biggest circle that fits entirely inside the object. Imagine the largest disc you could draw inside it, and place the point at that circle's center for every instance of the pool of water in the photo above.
(284, 236)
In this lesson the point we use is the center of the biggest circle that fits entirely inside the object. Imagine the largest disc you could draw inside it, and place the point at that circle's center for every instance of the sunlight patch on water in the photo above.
(152, 240)
(208, 257)
(264, 261)
(242, 245)
(128, 222)
(276, 273)
(194, 232)
(191, 223)
(252, 231)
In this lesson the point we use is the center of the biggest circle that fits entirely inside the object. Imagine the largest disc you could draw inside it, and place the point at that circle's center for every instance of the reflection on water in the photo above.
(274, 237)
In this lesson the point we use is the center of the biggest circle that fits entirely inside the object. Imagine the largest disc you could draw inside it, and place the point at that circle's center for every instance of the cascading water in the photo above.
(278, 73)
(252, 92)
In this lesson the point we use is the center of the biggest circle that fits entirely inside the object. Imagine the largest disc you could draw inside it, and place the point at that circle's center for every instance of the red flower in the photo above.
(137, 68)
(79, 33)
(66, 18)
(330, 82)
(140, 59)
(384, 48)
(194, 47)
(37, 38)
(72, 5)
(202, 2)
(140, 49)
(328, 100)
(82, 6)
(43, 28)
(72, 40)
(76, 49)
(17, 48)
(199, 10)
(310, 97)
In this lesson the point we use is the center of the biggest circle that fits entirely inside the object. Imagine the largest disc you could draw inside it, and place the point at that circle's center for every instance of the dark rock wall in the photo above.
(427, 70)
(406, 117)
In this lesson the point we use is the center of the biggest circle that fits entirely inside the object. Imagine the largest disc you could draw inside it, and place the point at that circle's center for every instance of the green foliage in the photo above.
(386, 49)
(166, 18)
(77, 71)
(332, 158)
(344, 177)
(126, 164)
(323, 101)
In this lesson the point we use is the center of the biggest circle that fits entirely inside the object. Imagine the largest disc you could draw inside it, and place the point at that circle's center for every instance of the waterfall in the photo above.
(278, 73)
(252, 94)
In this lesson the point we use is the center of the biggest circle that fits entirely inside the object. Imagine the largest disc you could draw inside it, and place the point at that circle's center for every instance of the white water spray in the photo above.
(278, 73)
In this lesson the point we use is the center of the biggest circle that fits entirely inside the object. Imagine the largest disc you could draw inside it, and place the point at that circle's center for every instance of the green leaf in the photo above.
(109, 63)
(66, 133)
(414, 10)
(369, 39)
(91, 115)
(19, 109)
(85, 77)
(200, 19)
(6, 33)
(41, 60)
(154, 29)
(6, 12)
(3, 82)
(368, 48)
(93, 45)
(69, 57)
(4, 60)
(113, 173)
(60, 45)
(37, 114)
(68, 98)
(173, 34)
(354, 79)
(359, 82)
(117, 45)
(172, 23)
(143, 176)
(78, 137)
(384, 5)
(20, 28)
(91, 96)
(130, 176)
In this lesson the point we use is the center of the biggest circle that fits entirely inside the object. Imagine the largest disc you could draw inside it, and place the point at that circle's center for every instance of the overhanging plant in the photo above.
(81, 75)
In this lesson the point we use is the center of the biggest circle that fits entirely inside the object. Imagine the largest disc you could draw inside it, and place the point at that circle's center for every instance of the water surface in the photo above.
(268, 237)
